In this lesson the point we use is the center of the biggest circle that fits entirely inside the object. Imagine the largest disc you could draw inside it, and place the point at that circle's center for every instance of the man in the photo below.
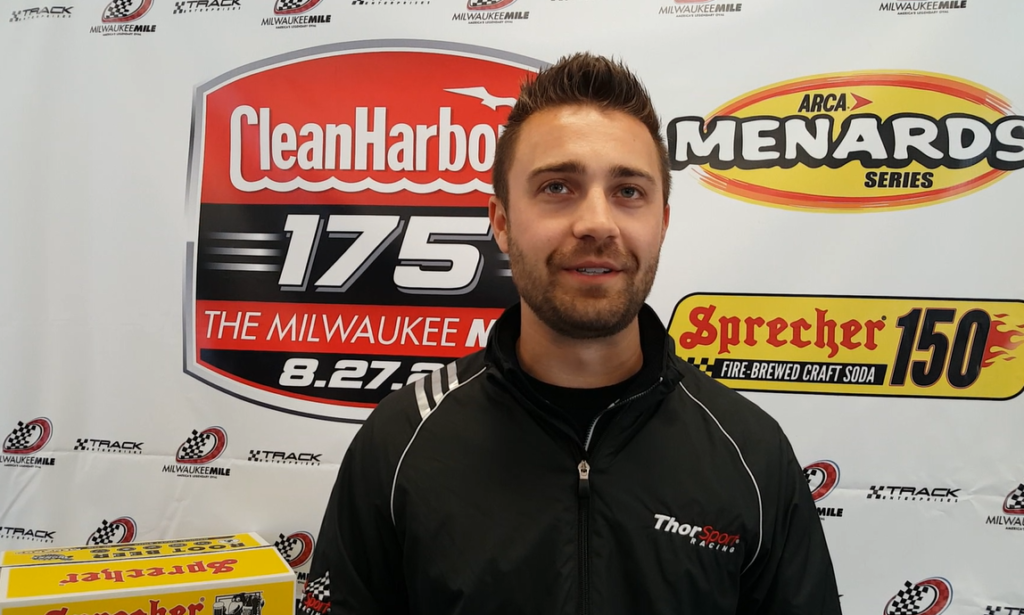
(574, 466)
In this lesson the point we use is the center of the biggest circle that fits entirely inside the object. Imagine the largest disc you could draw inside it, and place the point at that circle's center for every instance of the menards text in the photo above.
(730, 331)
(955, 141)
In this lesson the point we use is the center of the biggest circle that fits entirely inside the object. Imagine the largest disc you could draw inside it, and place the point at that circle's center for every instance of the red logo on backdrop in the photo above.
(28, 438)
(119, 531)
(822, 477)
(295, 548)
(929, 597)
(338, 201)
(202, 446)
(1014, 502)
(294, 7)
(123, 11)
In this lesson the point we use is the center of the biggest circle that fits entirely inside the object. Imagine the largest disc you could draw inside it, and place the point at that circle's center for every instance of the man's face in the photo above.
(585, 219)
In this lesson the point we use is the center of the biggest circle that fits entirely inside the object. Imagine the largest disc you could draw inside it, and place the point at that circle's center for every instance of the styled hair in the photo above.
(579, 79)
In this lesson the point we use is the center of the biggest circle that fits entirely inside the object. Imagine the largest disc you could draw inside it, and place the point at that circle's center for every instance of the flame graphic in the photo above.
(1001, 343)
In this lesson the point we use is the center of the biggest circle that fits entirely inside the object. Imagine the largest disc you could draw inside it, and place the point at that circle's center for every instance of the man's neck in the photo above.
(578, 364)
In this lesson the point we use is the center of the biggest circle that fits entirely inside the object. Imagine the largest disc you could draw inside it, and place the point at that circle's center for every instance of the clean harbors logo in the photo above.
(340, 245)
(853, 142)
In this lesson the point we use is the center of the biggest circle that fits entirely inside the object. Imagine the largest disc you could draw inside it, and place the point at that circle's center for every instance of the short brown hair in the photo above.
(579, 79)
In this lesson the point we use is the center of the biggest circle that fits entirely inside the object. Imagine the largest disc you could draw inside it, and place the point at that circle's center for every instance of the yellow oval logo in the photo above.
(853, 142)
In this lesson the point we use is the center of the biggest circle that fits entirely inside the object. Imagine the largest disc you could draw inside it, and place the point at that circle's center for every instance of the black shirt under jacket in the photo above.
(464, 494)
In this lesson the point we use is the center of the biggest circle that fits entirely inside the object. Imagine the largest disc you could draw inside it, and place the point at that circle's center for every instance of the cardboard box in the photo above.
(220, 575)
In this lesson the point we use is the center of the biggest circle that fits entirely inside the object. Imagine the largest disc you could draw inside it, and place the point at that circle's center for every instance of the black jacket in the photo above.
(466, 493)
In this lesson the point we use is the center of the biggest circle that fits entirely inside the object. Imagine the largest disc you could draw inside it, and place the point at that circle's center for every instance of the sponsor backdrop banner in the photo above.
(229, 228)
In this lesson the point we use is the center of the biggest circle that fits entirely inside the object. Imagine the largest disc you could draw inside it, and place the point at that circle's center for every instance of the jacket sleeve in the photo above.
(357, 562)
(793, 575)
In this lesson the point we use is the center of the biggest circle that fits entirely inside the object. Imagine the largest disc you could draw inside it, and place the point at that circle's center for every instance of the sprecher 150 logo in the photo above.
(853, 142)
(953, 348)
(339, 245)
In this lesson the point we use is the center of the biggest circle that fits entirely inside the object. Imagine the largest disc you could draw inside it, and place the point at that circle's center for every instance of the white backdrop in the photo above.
(114, 158)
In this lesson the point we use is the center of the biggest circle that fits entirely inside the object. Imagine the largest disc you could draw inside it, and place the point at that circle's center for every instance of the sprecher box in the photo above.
(220, 575)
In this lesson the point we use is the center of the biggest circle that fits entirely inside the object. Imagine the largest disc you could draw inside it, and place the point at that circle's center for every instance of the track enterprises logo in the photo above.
(890, 346)
(701, 8)
(1003, 610)
(183, 7)
(117, 532)
(822, 479)
(853, 142)
(914, 494)
(97, 445)
(928, 597)
(41, 12)
(118, 15)
(292, 14)
(285, 457)
(26, 533)
(922, 7)
(25, 440)
(198, 450)
(490, 11)
(1013, 511)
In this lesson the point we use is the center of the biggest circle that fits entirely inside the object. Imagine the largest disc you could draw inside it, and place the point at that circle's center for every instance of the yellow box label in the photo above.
(951, 348)
(249, 599)
(36, 581)
(128, 551)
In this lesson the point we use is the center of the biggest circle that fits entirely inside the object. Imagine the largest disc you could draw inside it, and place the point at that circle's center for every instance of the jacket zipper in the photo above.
(583, 494)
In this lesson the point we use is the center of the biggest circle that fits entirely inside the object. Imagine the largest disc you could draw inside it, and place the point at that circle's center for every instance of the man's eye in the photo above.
(556, 188)
(630, 192)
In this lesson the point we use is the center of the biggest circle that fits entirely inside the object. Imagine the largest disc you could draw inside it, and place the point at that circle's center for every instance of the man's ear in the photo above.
(499, 222)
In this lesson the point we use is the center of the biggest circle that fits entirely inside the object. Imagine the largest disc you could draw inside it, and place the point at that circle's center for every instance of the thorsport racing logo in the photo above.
(701, 8)
(119, 531)
(853, 142)
(907, 347)
(340, 244)
(199, 449)
(822, 478)
(929, 597)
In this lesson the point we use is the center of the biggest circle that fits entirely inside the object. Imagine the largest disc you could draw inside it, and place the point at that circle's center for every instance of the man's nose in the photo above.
(595, 216)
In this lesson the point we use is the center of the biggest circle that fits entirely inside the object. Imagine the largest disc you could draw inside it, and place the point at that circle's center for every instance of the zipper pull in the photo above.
(584, 488)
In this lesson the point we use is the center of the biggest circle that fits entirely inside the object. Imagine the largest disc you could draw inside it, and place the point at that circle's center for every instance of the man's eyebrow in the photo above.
(570, 167)
(624, 172)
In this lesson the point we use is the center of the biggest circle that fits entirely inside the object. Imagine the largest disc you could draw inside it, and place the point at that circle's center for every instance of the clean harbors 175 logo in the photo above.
(853, 142)
(911, 347)
(340, 246)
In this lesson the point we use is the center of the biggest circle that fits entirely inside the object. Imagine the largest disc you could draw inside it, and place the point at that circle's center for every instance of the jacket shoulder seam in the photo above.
(423, 401)
(757, 489)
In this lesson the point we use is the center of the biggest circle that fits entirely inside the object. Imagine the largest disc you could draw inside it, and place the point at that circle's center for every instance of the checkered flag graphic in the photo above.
(704, 364)
(20, 438)
(194, 445)
(910, 600)
(482, 4)
(808, 473)
(286, 546)
(81, 444)
(320, 588)
(104, 534)
(876, 493)
(1015, 501)
(992, 610)
(287, 5)
(179, 8)
(254, 455)
(118, 9)
(14, 16)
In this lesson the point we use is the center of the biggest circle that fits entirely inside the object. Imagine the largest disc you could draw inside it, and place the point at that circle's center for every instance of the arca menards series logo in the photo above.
(118, 15)
(340, 244)
(198, 450)
(906, 347)
(25, 440)
(853, 142)
(929, 597)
